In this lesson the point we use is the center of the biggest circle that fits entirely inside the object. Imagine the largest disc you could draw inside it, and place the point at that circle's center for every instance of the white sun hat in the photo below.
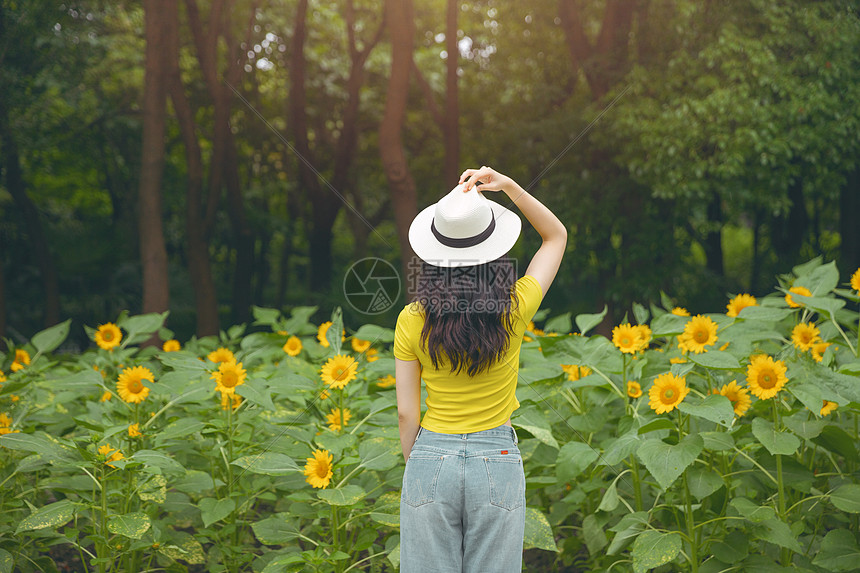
(463, 229)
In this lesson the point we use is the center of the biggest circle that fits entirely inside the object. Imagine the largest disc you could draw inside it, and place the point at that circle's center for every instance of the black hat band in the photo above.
(466, 241)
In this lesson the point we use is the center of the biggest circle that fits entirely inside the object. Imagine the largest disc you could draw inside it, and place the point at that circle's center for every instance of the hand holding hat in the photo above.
(486, 177)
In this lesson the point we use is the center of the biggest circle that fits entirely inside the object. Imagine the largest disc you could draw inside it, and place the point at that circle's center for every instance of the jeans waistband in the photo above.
(502, 431)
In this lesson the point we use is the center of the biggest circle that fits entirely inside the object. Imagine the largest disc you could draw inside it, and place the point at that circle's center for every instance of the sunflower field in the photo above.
(710, 443)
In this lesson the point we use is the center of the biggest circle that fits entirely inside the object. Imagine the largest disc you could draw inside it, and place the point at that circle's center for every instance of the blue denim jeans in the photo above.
(462, 506)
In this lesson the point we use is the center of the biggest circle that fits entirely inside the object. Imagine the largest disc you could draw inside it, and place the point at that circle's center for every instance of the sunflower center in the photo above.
(107, 336)
(668, 395)
(338, 373)
(229, 379)
(322, 471)
(135, 386)
(767, 380)
(625, 341)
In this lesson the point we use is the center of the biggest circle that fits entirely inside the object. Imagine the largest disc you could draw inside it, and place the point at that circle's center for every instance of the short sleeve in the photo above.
(403, 334)
(530, 295)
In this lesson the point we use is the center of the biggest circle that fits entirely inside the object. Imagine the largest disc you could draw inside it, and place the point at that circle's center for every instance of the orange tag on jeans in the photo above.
(504, 452)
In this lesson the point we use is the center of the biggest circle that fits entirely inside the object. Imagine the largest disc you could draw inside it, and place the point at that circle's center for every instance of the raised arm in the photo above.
(545, 262)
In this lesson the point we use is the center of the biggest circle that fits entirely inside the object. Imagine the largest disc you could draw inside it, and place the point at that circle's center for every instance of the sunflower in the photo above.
(134, 431)
(321, 332)
(387, 381)
(106, 450)
(5, 420)
(828, 407)
(2, 377)
(634, 390)
(818, 350)
(644, 332)
(667, 392)
(699, 332)
(130, 384)
(339, 371)
(765, 376)
(803, 291)
(805, 335)
(228, 376)
(740, 302)
(371, 355)
(575, 372)
(171, 345)
(228, 397)
(738, 396)
(334, 419)
(531, 326)
(221, 355)
(626, 338)
(108, 336)
(22, 358)
(293, 346)
(324, 395)
(359, 345)
(680, 311)
(855, 280)
(105, 396)
(678, 360)
(318, 469)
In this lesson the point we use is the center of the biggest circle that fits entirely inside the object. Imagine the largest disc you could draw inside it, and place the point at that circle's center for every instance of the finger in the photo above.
(476, 176)
(466, 175)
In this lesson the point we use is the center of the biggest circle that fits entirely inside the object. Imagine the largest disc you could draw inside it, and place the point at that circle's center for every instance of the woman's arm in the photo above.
(544, 265)
(407, 374)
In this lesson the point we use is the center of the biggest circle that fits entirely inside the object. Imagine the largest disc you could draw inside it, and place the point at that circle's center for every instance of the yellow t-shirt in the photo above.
(458, 403)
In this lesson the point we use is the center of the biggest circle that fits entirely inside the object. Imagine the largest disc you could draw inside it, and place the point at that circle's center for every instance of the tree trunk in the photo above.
(452, 98)
(199, 263)
(153, 254)
(849, 230)
(788, 232)
(17, 187)
(401, 26)
(713, 243)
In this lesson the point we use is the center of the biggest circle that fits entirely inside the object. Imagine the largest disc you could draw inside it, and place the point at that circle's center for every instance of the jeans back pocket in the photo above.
(507, 481)
(420, 477)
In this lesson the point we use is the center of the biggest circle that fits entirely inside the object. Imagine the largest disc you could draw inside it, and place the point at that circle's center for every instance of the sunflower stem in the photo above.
(637, 484)
(688, 509)
(785, 552)
(104, 531)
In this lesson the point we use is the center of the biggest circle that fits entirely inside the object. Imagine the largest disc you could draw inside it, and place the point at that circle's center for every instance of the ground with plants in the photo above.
(724, 441)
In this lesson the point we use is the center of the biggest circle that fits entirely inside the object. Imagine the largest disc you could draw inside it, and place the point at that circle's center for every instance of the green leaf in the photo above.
(752, 512)
(278, 529)
(641, 313)
(838, 551)
(7, 562)
(585, 322)
(212, 510)
(538, 533)
(718, 441)
(334, 334)
(560, 324)
(52, 515)
(808, 393)
(837, 440)
(775, 441)
(846, 497)
(656, 424)
(265, 316)
(821, 280)
(610, 498)
(41, 443)
(666, 462)
(379, 453)
(50, 338)
(778, 533)
(182, 428)
(621, 448)
(703, 481)
(140, 327)
(157, 459)
(764, 313)
(374, 333)
(573, 458)
(627, 528)
(132, 525)
(733, 548)
(268, 463)
(715, 360)
(653, 548)
(346, 495)
(183, 546)
(153, 487)
(256, 391)
(534, 422)
(592, 533)
(714, 408)
(281, 563)
(668, 324)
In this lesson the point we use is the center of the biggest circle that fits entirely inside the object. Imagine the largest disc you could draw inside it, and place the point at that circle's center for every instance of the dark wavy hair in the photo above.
(468, 313)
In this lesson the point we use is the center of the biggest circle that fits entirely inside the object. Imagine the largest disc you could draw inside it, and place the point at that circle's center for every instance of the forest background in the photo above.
(203, 157)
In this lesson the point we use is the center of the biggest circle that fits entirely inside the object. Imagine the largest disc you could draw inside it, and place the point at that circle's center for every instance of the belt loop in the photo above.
(420, 429)
(514, 432)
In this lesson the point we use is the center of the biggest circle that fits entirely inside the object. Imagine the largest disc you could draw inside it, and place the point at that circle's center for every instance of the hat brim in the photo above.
(428, 248)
